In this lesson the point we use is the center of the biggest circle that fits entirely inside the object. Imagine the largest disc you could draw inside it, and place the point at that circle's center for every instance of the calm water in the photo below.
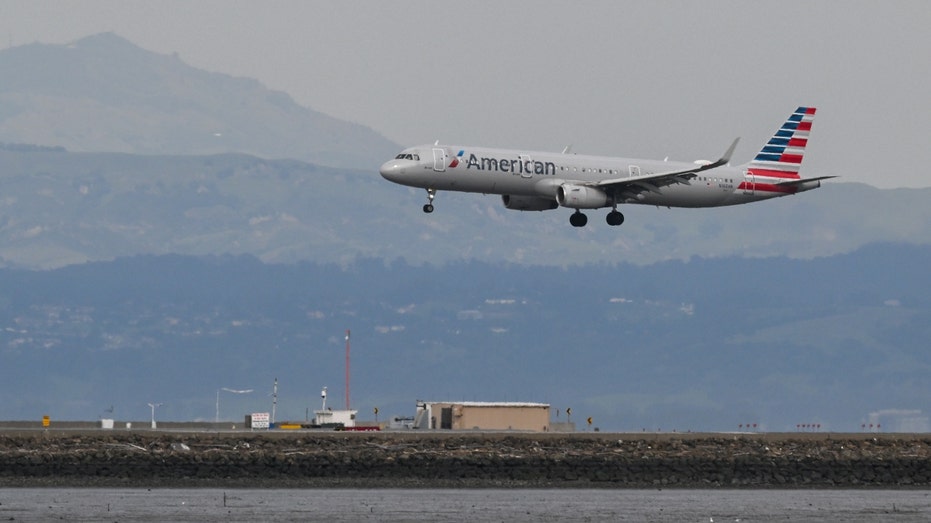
(462, 505)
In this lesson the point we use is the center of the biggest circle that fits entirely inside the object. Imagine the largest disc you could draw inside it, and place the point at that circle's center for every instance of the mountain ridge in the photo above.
(59, 208)
(103, 93)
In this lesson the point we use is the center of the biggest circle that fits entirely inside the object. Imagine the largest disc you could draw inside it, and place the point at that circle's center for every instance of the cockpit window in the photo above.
(407, 156)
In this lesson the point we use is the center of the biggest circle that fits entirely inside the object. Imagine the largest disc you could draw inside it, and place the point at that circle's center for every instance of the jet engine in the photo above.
(581, 197)
(528, 203)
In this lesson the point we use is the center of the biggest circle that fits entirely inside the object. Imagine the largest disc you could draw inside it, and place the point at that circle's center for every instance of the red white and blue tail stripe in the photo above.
(782, 156)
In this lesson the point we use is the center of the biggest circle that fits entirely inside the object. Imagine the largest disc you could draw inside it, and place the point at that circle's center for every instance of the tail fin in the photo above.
(782, 156)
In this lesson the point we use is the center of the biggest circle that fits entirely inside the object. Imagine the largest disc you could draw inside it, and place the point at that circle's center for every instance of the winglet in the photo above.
(723, 160)
(727, 154)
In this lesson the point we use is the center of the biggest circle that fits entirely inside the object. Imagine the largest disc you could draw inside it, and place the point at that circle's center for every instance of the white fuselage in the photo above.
(539, 175)
(539, 181)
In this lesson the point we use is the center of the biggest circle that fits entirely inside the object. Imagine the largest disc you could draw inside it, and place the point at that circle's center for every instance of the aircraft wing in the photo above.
(652, 182)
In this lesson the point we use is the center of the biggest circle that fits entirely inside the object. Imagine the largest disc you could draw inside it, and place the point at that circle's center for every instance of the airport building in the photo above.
(476, 415)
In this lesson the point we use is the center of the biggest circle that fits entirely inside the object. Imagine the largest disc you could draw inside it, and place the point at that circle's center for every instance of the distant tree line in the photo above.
(32, 148)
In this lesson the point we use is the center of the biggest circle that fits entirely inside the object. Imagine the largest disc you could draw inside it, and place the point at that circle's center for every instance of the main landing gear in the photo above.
(577, 219)
(428, 207)
(614, 218)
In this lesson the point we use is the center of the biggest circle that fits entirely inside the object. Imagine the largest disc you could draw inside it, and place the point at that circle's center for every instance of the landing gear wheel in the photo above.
(577, 219)
(431, 194)
(614, 218)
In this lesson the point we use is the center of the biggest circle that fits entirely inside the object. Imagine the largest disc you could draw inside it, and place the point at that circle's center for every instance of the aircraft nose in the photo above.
(390, 170)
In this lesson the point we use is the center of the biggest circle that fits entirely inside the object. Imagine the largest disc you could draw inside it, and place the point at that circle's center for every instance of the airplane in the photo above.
(540, 181)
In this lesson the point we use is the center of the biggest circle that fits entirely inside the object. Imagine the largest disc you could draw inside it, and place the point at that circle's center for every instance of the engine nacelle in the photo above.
(528, 203)
(581, 197)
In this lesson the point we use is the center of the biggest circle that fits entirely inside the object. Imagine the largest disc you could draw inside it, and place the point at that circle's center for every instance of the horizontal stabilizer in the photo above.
(806, 180)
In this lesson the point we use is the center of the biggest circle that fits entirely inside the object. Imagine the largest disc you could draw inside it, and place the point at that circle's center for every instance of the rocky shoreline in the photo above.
(301, 459)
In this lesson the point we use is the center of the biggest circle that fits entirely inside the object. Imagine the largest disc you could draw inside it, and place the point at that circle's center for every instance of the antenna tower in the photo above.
(347, 369)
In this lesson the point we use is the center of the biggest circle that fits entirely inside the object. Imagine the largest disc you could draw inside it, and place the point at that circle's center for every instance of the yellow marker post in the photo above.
(46, 421)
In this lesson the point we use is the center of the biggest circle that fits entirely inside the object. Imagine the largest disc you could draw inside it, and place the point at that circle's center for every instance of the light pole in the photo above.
(274, 400)
(234, 391)
(154, 406)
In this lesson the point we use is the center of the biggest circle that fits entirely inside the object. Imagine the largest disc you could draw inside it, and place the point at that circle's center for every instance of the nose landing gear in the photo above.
(428, 207)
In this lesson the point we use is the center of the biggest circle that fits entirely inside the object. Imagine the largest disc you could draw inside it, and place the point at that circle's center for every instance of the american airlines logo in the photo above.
(455, 161)
(505, 165)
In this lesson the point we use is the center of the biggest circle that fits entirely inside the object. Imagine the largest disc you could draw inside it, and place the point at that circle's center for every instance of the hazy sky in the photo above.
(643, 79)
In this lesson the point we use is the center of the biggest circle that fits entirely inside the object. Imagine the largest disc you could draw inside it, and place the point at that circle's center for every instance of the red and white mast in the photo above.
(347, 369)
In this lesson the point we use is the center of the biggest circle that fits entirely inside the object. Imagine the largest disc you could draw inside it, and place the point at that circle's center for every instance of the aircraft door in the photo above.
(439, 160)
(748, 183)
